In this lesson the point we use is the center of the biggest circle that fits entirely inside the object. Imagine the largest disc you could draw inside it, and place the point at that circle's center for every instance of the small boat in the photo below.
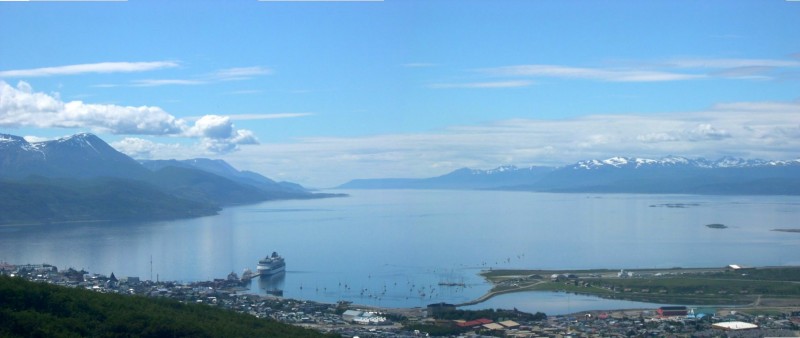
(277, 293)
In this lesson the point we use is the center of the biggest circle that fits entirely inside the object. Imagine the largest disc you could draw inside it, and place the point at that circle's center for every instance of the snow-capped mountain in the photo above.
(671, 174)
(464, 178)
(86, 156)
(677, 161)
(77, 156)
(82, 177)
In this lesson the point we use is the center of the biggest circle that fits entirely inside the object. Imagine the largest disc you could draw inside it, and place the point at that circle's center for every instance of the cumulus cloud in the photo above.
(243, 136)
(20, 106)
(212, 126)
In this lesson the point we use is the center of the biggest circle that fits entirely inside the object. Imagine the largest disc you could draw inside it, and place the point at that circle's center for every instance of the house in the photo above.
(673, 311)
(349, 315)
(476, 322)
(509, 324)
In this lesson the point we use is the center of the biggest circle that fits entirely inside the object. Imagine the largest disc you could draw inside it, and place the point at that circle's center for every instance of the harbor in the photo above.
(350, 319)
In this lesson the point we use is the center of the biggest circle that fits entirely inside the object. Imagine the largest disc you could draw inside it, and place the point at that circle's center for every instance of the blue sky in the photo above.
(323, 92)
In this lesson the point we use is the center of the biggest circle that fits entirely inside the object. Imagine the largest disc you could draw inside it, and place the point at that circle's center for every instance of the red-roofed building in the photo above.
(476, 322)
(672, 311)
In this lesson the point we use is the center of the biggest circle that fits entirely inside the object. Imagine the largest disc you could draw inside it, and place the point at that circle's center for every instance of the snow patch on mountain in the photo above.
(672, 161)
(616, 161)
(501, 169)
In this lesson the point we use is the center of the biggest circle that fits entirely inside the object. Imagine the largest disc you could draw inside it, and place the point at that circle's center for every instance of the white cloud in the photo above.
(219, 135)
(102, 67)
(730, 63)
(610, 75)
(228, 74)
(20, 106)
(768, 130)
(243, 136)
(165, 82)
(241, 73)
(670, 70)
(705, 131)
(245, 92)
(492, 84)
(746, 69)
(212, 126)
(140, 148)
(34, 138)
(418, 65)
(239, 117)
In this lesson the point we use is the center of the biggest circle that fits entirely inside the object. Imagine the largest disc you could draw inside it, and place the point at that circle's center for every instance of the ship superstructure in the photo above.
(271, 265)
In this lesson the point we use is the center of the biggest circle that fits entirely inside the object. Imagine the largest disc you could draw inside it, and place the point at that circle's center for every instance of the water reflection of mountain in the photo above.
(272, 284)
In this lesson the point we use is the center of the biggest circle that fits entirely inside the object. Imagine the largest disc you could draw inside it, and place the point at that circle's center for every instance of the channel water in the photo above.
(408, 248)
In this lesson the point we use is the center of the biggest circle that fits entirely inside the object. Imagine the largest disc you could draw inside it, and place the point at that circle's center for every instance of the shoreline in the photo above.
(310, 196)
(500, 278)
(662, 285)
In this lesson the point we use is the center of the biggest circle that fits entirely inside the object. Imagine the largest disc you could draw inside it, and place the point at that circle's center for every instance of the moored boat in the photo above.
(271, 265)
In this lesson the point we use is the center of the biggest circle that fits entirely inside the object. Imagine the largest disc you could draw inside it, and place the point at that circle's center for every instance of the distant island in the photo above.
(717, 226)
(668, 175)
(82, 178)
(788, 230)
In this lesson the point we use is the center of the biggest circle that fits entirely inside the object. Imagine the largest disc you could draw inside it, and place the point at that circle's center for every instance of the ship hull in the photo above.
(269, 271)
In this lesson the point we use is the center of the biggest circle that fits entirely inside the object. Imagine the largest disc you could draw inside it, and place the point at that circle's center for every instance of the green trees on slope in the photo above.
(29, 309)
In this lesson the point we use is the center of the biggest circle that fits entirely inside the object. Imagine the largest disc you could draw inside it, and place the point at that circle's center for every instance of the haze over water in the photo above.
(393, 247)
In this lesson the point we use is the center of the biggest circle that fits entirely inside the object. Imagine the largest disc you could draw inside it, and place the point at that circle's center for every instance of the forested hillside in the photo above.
(29, 309)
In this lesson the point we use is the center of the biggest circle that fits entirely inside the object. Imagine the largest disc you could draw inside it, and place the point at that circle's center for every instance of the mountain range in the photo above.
(668, 175)
(81, 177)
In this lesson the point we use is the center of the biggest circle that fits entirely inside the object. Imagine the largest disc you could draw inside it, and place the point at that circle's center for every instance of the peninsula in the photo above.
(762, 287)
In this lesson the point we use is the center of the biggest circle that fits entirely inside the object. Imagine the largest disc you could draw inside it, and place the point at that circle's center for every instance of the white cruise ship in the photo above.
(271, 265)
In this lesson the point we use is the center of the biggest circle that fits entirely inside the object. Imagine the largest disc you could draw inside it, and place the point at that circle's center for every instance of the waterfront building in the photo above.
(734, 326)
(673, 311)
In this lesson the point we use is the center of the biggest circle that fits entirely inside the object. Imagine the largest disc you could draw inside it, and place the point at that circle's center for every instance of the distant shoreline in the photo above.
(55, 222)
(144, 219)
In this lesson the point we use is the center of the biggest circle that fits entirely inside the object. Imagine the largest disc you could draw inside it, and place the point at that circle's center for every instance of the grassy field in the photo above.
(759, 287)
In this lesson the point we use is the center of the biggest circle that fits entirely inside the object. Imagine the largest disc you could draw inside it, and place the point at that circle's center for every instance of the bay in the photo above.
(394, 247)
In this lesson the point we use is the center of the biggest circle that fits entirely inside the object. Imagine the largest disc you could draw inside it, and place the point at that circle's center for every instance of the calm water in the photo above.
(392, 248)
